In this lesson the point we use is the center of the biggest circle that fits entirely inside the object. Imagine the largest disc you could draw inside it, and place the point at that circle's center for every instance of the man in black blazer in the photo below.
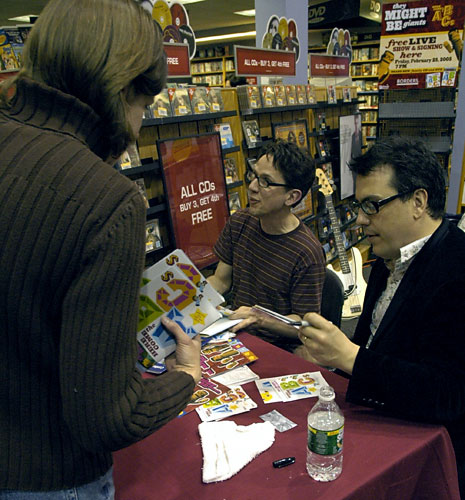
(407, 356)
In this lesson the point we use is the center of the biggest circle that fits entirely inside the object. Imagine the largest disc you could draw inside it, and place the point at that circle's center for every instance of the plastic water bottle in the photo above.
(325, 423)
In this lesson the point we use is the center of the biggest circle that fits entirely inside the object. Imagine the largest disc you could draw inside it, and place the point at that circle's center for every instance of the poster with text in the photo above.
(421, 44)
(195, 188)
(350, 146)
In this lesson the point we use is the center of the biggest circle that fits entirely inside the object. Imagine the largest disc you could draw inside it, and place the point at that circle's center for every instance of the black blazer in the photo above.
(415, 366)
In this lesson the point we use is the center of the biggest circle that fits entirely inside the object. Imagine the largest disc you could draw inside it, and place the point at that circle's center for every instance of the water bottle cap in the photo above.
(327, 393)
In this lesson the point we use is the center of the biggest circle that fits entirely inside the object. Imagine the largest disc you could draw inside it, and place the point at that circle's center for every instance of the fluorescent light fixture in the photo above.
(184, 2)
(23, 19)
(249, 13)
(245, 34)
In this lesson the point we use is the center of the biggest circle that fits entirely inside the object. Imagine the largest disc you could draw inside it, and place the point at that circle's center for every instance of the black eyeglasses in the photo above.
(371, 207)
(250, 175)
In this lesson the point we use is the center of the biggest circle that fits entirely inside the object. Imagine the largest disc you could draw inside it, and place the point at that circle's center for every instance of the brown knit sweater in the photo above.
(72, 236)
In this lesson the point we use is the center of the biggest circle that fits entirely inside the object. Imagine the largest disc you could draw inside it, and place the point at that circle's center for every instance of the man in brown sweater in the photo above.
(72, 237)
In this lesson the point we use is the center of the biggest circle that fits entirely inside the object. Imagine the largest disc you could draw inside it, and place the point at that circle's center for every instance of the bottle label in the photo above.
(325, 442)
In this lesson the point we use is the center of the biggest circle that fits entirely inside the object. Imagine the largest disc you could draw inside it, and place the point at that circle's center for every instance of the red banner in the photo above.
(177, 57)
(250, 61)
(195, 188)
(324, 65)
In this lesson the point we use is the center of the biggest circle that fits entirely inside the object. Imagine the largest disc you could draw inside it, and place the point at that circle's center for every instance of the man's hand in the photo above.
(327, 345)
(255, 319)
(250, 320)
(186, 358)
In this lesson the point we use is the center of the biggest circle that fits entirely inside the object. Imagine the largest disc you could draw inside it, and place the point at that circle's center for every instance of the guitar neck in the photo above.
(345, 268)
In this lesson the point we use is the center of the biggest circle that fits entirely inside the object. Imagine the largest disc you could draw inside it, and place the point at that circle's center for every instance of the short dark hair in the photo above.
(295, 164)
(415, 166)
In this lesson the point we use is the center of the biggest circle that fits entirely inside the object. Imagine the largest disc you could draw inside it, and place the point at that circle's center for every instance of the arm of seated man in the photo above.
(221, 280)
(258, 321)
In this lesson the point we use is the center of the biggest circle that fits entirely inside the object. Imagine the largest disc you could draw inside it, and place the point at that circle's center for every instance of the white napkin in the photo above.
(228, 447)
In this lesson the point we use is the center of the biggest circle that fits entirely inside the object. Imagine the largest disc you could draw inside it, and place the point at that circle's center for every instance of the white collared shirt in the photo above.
(397, 269)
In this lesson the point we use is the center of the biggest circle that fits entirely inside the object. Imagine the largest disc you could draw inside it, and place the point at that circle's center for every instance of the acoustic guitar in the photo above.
(350, 274)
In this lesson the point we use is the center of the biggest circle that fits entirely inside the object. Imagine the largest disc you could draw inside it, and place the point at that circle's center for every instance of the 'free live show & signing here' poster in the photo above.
(195, 188)
(421, 44)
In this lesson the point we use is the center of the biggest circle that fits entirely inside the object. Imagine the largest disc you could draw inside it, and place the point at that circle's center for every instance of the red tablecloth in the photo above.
(384, 458)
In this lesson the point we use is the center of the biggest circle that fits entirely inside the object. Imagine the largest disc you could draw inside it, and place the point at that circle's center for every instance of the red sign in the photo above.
(251, 61)
(177, 57)
(195, 188)
(328, 66)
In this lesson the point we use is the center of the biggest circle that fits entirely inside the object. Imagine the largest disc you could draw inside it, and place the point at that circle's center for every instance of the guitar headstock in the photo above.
(325, 186)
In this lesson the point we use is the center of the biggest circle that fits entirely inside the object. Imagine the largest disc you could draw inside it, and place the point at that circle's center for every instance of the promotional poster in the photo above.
(421, 44)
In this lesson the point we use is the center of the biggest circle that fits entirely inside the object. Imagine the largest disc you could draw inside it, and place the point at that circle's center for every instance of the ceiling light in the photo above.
(250, 12)
(244, 34)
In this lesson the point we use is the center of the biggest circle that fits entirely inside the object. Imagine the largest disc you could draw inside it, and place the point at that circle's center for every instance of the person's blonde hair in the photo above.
(93, 49)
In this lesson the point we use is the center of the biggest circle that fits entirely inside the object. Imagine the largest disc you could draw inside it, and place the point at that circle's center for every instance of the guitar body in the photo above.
(354, 285)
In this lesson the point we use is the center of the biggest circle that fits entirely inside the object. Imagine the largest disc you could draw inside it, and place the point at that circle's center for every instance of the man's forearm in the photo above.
(218, 284)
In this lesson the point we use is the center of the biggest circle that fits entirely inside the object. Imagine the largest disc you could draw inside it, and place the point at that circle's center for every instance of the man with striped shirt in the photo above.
(267, 255)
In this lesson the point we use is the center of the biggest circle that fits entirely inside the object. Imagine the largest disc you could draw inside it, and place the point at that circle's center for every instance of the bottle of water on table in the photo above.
(325, 423)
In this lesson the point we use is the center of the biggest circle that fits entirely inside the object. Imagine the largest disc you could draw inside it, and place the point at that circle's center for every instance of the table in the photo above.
(384, 457)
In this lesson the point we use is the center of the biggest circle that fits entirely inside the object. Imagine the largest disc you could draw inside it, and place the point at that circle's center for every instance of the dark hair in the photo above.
(93, 50)
(415, 166)
(295, 164)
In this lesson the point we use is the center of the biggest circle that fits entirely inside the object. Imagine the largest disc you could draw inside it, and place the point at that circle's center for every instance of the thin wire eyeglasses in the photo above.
(371, 207)
(250, 175)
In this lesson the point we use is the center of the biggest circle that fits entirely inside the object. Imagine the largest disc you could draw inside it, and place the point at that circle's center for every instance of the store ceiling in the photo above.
(210, 17)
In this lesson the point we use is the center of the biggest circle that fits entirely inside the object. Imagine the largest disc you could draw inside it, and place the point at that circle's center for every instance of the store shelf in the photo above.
(147, 167)
(277, 109)
(366, 61)
(233, 149)
(156, 209)
(232, 185)
(148, 122)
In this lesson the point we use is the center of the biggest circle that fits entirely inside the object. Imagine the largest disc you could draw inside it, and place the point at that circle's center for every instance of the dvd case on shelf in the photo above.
(249, 96)
(234, 202)
(215, 99)
(301, 94)
(291, 95)
(180, 102)
(153, 239)
(200, 102)
(161, 107)
(226, 136)
(280, 93)
(311, 94)
(268, 96)
(230, 170)
(331, 92)
(251, 133)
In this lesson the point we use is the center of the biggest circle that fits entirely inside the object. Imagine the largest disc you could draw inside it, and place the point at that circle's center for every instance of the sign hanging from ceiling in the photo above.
(174, 22)
(250, 61)
(177, 59)
(326, 66)
(421, 44)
